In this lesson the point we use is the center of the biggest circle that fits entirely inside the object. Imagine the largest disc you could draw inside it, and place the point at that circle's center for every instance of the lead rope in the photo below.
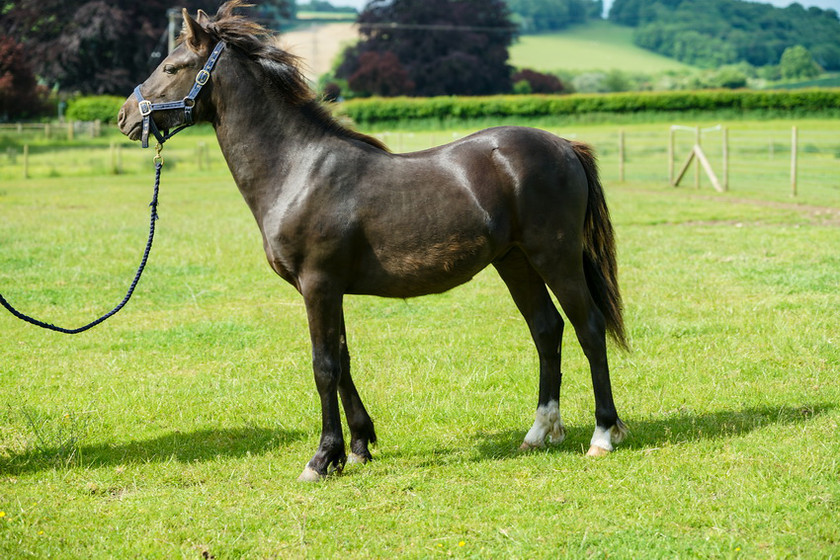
(154, 216)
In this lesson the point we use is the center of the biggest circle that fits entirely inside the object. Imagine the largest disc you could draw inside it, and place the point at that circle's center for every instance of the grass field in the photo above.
(177, 428)
(598, 45)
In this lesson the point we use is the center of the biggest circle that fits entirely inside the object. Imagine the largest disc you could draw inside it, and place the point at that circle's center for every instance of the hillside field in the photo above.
(598, 45)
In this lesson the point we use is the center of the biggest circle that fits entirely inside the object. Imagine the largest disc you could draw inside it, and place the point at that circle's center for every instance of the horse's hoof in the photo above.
(310, 475)
(529, 446)
(595, 451)
(355, 459)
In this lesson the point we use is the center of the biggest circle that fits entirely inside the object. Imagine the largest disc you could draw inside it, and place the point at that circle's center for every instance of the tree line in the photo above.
(406, 47)
(710, 33)
(86, 46)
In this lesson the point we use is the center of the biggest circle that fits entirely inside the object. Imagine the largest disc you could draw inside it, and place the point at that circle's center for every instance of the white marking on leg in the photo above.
(601, 439)
(546, 424)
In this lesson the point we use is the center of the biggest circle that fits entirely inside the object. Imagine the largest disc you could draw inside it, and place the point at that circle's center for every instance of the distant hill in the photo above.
(711, 33)
(596, 45)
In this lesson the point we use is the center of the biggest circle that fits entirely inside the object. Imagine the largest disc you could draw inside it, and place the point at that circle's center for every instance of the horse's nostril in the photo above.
(121, 116)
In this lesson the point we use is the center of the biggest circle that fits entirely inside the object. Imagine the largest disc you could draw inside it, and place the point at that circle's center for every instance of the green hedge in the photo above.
(95, 108)
(383, 109)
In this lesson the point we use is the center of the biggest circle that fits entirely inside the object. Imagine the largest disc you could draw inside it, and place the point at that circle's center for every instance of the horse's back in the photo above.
(430, 220)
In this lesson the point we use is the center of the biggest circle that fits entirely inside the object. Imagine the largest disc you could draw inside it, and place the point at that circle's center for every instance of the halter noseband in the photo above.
(187, 103)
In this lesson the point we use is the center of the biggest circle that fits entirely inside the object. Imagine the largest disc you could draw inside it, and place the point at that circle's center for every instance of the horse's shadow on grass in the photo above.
(198, 446)
(666, 429)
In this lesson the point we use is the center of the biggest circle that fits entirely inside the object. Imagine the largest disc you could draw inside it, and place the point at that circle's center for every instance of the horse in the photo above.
(341, 214)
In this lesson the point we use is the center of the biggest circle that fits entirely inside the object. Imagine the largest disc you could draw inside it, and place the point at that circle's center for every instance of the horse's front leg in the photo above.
(324, 311)
(361, 426)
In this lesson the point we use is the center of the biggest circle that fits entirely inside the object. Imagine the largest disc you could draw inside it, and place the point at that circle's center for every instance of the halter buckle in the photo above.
(202, 77)
(145, 107)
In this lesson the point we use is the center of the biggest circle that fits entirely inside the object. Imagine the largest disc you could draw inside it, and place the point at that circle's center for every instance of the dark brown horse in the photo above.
(339, 214)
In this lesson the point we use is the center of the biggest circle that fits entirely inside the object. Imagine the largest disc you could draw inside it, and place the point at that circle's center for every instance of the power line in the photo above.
(438, 27)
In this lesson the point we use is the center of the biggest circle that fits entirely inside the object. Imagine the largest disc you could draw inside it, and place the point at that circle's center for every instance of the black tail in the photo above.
(599, 261)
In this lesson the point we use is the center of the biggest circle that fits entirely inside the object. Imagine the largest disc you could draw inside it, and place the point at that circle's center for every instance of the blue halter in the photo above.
(187, 103)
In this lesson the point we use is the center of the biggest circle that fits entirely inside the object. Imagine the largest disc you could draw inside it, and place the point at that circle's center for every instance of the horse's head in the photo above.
(169, 96)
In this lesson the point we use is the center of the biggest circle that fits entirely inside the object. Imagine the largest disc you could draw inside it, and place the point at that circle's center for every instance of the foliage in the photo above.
(96, 108)
(444, 47)
(536, 16)
(380, 74)
(798, 64)
(324, 6)
(539, 82)
(19, 95)
(445, 108)
(714, 32)
(91, 46)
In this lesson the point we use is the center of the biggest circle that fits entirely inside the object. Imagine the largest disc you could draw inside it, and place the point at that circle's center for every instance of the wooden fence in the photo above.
(50, 131)
(784, 161)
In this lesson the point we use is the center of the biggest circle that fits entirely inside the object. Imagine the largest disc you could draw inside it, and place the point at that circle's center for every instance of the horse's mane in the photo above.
(281, 67)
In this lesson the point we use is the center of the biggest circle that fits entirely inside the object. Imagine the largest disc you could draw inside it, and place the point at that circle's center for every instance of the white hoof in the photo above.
(310, 475)
(603, 440)
(595, 451)
(547, 424)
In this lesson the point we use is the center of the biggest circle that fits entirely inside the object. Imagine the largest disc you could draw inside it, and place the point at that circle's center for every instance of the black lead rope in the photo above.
(148, 125)
(154, 217)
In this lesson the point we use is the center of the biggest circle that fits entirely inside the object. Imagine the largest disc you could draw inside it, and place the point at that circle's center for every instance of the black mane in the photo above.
(281, 67)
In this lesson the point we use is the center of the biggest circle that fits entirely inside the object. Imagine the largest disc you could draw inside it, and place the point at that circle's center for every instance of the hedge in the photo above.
(95, 108)
(383, 109)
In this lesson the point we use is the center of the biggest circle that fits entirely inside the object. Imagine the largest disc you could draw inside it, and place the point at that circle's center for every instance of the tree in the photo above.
(709, 33)
(18, 90)
(797, 63)
(93, 46)
(538, 82)
(550, 15)
(380, 74)
(445, 47)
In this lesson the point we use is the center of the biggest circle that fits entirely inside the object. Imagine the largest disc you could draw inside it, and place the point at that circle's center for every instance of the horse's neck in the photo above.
(263, 141)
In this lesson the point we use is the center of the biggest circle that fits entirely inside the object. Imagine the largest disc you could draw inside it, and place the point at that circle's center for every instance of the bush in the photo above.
(373, 110)
(95, 108)
(538, 82)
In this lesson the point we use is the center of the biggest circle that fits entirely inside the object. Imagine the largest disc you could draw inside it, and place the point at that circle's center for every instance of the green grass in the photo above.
(597, 45)
(177, 428)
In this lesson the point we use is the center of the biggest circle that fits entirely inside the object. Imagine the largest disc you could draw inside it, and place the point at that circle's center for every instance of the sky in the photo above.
(834, 4)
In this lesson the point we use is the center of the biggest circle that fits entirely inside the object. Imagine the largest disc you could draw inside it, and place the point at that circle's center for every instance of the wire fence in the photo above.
(777, 163)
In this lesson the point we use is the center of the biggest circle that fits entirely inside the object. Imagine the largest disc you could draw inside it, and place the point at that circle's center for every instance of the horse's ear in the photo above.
(196, 37)
(202, 18)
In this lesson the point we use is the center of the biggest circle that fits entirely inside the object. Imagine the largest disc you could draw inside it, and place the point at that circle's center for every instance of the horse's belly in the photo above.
(405, 269)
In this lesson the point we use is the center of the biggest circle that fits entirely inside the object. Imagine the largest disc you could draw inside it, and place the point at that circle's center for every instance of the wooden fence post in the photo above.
(671, 156)
(725, 132)
(26, 161)
(621, 155)
(697, 163)
(793, 162)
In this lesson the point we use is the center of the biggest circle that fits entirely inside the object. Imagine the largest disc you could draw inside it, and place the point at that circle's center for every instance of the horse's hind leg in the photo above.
(546, 326)
(358, 419)
(566, 279)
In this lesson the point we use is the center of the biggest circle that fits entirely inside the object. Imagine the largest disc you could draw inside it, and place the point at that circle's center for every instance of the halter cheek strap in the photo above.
(187, 103)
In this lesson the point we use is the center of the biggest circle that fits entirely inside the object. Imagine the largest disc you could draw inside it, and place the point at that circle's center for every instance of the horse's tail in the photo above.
(599, 259)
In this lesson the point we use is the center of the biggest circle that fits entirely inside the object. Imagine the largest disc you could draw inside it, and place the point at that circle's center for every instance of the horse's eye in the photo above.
(170, 69)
